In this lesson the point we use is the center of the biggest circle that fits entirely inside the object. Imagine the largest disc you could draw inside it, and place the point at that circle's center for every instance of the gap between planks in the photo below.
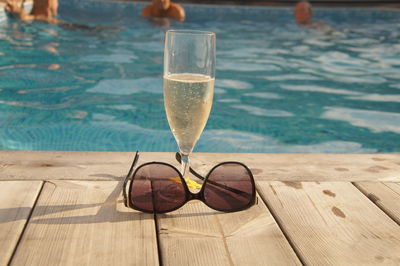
(279, 223)
(156, 228)
(376, 200)
(17, 201)
(26, 223)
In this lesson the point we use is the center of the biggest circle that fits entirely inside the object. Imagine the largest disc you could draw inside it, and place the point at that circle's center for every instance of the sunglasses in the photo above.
(158, 187)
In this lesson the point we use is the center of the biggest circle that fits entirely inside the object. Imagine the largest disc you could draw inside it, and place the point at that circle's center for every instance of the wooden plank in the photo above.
(85, 223)
(385, 195)
(65, 165)
(51, 165)
(333, 223)
(198, 235)
(16, 201)
(311, 167)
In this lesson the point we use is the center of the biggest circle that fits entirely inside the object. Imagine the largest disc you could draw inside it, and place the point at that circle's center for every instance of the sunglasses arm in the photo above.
(127, 178)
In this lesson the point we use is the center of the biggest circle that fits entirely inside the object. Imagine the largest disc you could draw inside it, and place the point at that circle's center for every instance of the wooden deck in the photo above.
(65, 208)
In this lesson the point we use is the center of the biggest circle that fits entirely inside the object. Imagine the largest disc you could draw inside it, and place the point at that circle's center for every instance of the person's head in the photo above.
(47, 8)
(303, 12)
(161, 4)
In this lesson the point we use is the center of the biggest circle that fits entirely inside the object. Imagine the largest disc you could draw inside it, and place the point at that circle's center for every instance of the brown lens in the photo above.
(229, 187)
(157, 188)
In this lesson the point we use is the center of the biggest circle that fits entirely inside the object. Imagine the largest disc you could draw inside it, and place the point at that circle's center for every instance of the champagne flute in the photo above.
(189, 74)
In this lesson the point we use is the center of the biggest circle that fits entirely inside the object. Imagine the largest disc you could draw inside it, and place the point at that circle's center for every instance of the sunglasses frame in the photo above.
(188, 194)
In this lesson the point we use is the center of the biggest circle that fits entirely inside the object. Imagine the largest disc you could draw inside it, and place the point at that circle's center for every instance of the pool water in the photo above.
(279, 88)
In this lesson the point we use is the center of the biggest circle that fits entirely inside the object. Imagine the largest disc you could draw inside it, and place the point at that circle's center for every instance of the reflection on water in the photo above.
(376, 121)
(313, 88)
(260, 111)
(233, 84)
(126, 87)
(279, 88)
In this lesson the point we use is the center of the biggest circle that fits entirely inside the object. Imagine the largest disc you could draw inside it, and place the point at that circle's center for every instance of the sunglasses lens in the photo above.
(157, 188)
(229, 187)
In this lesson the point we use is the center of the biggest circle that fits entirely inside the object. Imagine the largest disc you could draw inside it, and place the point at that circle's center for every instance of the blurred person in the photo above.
(164, 9)
(303, 15)
(43, 10)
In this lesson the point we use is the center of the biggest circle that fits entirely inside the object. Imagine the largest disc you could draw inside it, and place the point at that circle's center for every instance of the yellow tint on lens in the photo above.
(190, 183)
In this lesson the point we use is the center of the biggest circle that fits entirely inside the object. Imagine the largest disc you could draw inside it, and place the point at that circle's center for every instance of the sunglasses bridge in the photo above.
(195, 196)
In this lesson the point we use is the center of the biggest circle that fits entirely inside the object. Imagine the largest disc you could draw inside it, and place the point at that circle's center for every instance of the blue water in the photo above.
(279, 88)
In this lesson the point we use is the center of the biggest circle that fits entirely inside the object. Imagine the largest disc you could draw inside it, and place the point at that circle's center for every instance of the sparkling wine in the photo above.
(188, 99)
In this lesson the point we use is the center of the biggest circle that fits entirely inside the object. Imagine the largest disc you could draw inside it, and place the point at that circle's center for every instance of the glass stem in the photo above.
(185, 165)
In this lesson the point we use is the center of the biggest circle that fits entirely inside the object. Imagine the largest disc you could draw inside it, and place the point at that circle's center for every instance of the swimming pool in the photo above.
(279, 88)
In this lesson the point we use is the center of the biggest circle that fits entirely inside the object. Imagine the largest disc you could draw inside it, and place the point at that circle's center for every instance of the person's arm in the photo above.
(147, 11)
(177, 12)
(13, 8)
